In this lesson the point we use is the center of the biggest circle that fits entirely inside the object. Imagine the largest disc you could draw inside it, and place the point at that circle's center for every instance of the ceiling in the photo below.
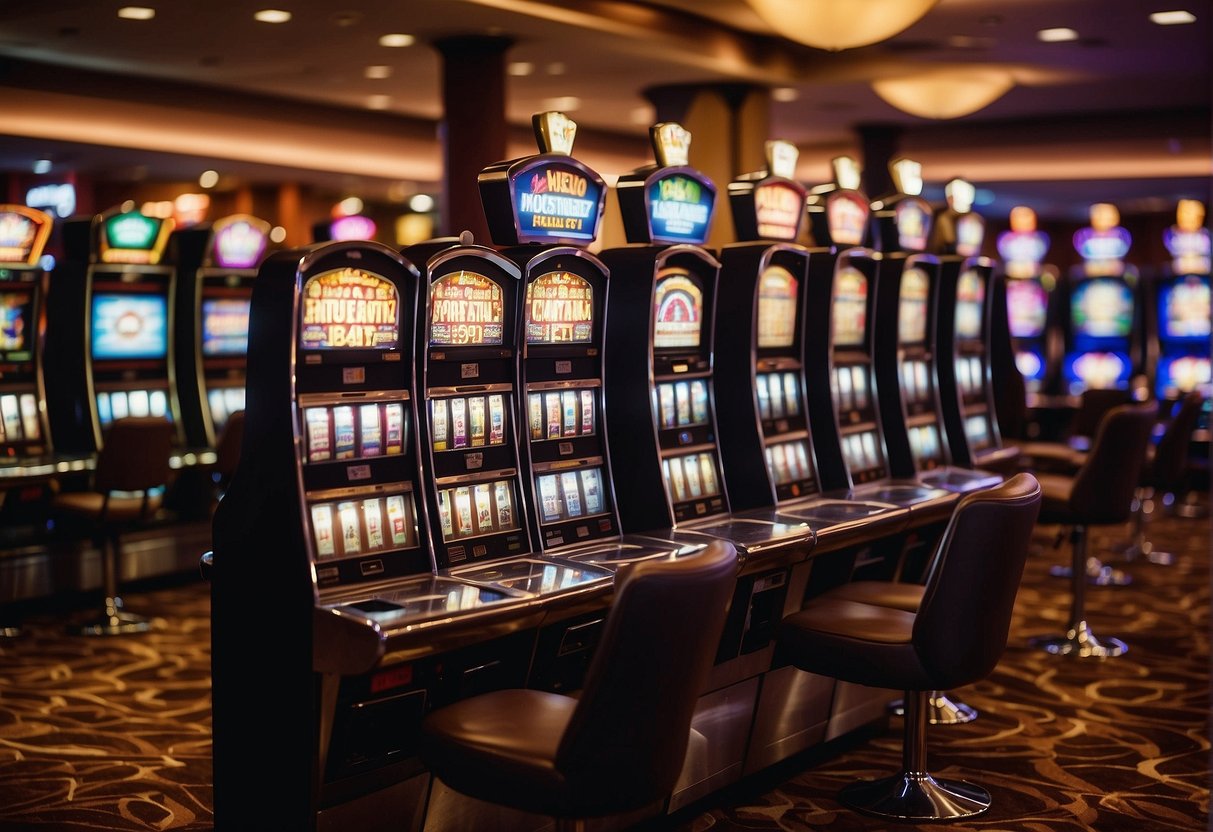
(1121, 114)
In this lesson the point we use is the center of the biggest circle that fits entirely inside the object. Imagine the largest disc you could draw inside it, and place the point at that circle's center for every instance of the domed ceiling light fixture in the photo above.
(945, 93)
(840, 24)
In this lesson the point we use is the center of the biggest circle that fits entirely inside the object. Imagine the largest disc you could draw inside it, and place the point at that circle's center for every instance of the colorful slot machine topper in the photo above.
(1181, 297)
(838, 212)
(1029, 287)
(769, 204)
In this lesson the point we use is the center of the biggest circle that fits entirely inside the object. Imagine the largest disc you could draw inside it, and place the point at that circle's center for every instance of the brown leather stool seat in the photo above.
(619, 746)
(955, 637)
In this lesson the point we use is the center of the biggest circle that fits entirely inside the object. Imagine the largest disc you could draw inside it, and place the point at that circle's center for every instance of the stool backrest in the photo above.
(1093, 405)
(628, 736)
(1171, 454)
(135, 456)
(227, 455)
(961, 627)
(1104, 485)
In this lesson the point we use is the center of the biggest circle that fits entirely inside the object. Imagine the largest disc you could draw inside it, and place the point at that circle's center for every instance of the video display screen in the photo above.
(1027, 308)
(17, 327)
(119, 404)
(1097, 370)
(354, 431)
(925, 446)
(850, 388)
(678, 310)
(1182, 374)
(225, 326)
(19, 422)
(349, 309)
(789, 462)
(1183, 309)
(467, 309)
(778, 395)
(777, 295)
(692, 476)
(559, 309)
(570, 494)
(473, 510)
(1031, 364)
(224, 401)
(682, 403)
(850, 307)
(912, 307)
(915, 387)
(970, 303)
(560, 414)
(467, 422)
(1103, 308)
(128, 326)
(860, 452)
(977, 429)
(345, 528)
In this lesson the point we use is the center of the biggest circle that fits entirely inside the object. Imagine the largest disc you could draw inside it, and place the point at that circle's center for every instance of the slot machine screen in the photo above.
(559, 309)
(1103, 308)
(912, 307)
(850, 307)
(129, 326)
(777, 292)
(1027, 306)
(16, 325)
(970, 300)
(225, 326)
(466, 309)
(1183, 374)
(678, 311)
(349, 309)
(1184, 309)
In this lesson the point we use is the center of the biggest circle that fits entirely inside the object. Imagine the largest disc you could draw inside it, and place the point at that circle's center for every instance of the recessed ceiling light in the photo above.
(136, 13)
(1172, 18)
(562, 103)
(378, 71)
(272, 16)
(208, 179)
(277, 233)
(785, 94)
(350, 205)
(378, 102)
(42, 166)
(397, 40)
(520, 68)
(422, 203)
(1057, 35)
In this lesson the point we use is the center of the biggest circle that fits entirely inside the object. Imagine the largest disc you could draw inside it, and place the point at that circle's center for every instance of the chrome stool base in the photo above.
(941, 709)
(1098, 573)
(114, 621)
(1081, 643)
(916, 796)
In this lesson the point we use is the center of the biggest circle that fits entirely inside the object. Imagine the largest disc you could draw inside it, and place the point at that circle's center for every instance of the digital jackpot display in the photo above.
(680, 209)
(1103, 308)
(970, 301)
(777, 295)
(912, 307)
(225, 326)
(850, 307)
(678, 313)
(559, 309)
(126, 326)
(349, 308)
(779, 207)
(466, 309)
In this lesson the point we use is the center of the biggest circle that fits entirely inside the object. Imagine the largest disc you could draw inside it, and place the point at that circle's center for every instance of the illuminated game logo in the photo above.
(912, 307)
(778, 207)
(1104, 244)
(559, 309)
(133, 238)
(466, 309)
(23, 234)
(556, 200)
(913, 219)
(970, 234)
(349, 309)
(850, 307)
(1022, 252)
(847, 217)
(239, 242)
(777, 295)
(352, 227)
(678, 303)
(15, 310)
(680, 209)
(970, 303)
(1099, 370)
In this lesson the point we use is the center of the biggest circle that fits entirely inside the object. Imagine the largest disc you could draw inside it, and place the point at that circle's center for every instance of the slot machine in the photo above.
(1031, 302)
(660, 365)
(766, 439)
(840, 347)
(966, 291)
(906, 373)
(216, 266)
(1180, 316)
(325, 537)
(1103, 327)
(571, 505)
(110, 302)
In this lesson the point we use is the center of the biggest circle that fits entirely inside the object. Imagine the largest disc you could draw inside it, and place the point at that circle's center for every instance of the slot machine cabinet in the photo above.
(840, 344)
(905, 365)
(769, 457)
(1031, 290)
(1103, 327)
(966, 289)
(216, 265)
(1178, 318)
(325, 537)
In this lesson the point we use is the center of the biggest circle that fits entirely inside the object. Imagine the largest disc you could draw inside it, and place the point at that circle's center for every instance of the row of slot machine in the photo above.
(451, 450)
(1107, 323)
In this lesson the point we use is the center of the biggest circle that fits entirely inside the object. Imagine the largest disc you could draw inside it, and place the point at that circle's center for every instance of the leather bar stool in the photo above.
(132, 468)
(1100, 493)
(955, 637)
(620, 745)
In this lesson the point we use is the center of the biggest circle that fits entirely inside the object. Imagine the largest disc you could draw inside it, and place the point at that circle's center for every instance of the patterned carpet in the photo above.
(114, 734)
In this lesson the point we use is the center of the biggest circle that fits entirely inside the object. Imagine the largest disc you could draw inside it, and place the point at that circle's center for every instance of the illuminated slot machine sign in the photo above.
(669, 202)
(1183, 305)
(355, 422)
(914, 370)
(23, 235)
(769, 205)
(129, 327)
(1023, 249)
(851, 391)
(970, 366)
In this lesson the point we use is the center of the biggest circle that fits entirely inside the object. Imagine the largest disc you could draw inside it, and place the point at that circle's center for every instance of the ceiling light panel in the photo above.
(1173, 18)
(272, 16)
(1058, 35)
(136, 13)
(397, 40)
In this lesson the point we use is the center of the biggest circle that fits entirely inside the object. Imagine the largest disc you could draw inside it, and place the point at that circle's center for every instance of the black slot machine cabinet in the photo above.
(661, 405)
(216, 265)
(111, 303)
(1103, 327)
(1032, 308)
(966, 295)
(766, 439)
(571, 499)
(906, 372)
(840, 329)
(324, 536)
(1179, 316)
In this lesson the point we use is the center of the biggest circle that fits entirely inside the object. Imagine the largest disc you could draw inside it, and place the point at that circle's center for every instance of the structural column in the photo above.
(878, 145)
(473, 129)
